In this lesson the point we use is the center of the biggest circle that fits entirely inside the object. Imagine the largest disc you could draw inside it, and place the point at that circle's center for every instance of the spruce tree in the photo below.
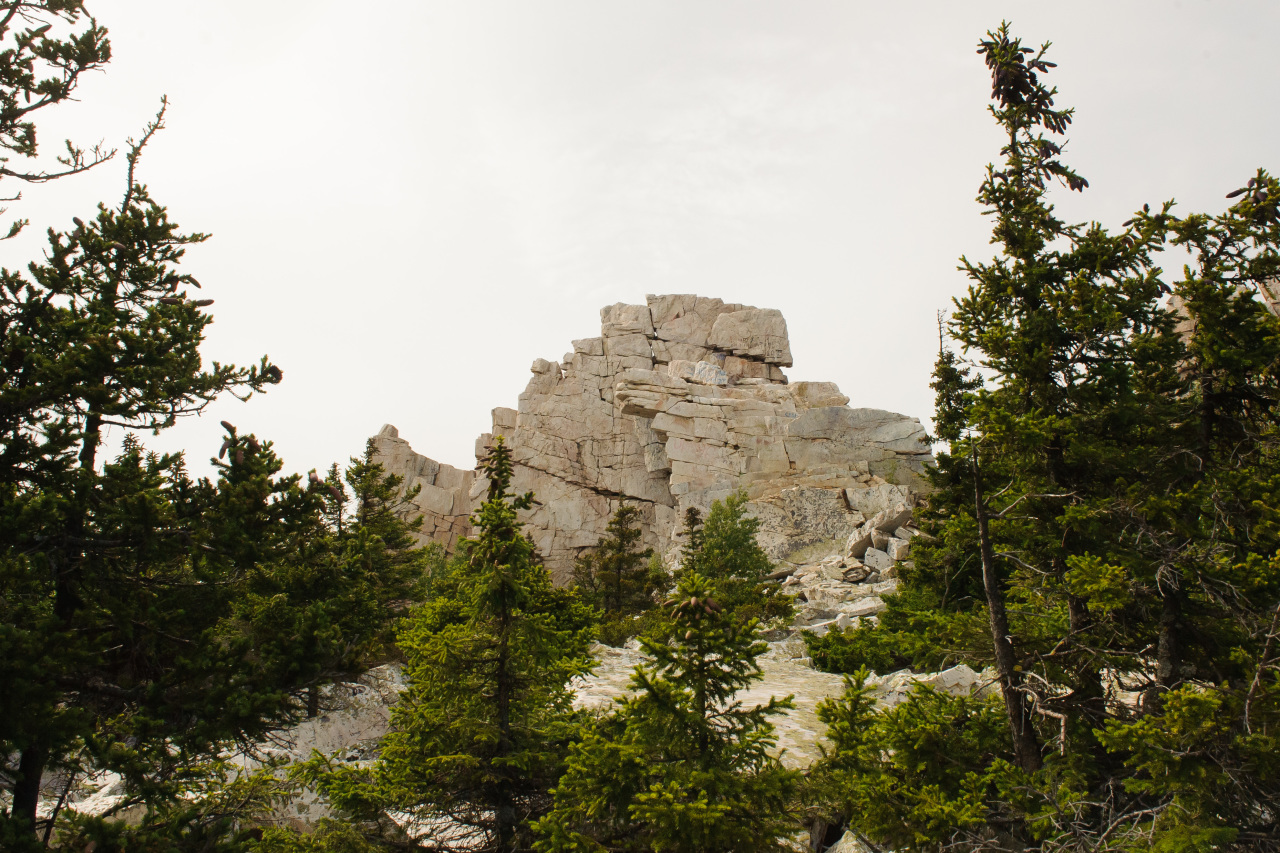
(1100, 514)
(105, 332)
(148, 621)
(480, 733)
(618, 579)
(724, 549)
(42, 68)
(683, 766)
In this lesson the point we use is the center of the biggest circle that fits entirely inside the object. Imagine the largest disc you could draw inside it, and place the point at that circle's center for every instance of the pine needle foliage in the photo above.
(683, 766)
(480, 733)
(724, 549)
(1101, 531)
(618, 579)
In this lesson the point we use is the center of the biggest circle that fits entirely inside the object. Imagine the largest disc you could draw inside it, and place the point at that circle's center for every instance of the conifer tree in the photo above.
(1100, 513)
(330, 604)
(480, 733)
(618, 579)
(42, 68)
(724, 549)
(683, 766)
(104, 332)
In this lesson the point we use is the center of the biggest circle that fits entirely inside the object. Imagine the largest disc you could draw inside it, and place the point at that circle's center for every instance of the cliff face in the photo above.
(677, 403)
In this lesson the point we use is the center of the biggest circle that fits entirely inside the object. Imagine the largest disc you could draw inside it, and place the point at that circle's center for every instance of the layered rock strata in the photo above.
(677, 403)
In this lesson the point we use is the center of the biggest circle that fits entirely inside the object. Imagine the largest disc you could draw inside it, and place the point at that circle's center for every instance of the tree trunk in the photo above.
(504, 808)
(66, 601)
(1168, 651)
(1026, 744)
(26, 790)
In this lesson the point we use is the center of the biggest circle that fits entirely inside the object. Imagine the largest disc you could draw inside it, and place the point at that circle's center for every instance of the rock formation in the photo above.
(677, 403)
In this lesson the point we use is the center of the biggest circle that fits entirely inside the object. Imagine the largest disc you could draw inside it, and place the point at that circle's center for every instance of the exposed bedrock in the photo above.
(677, 403)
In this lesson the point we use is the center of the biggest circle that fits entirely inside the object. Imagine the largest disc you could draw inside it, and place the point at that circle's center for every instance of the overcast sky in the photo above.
(411, 201)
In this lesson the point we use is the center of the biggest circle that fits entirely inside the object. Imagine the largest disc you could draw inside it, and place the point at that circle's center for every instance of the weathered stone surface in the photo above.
(680, 402)
(848, 843)
(757, 333)
(628, 345)
(623, 319)
(818, 395)
(874, 499)
(891, 519)
(699, 373)
(443, 520)
(858, 543)
(877, 560)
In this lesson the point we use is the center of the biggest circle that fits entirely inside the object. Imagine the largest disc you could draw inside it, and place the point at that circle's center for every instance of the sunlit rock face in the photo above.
(677, 403)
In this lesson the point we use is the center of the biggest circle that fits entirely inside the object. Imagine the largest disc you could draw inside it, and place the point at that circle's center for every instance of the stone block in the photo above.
(898, 549)
(589, 346)
(874, 499)
(894, 517)
(750, 424)
(832, 572)
(504, 420)
(877, 560)
(451, 478)
(699, 453)
(436, 500)
(628, 345)
(740, 369)
(699, 373)
(666, 307)
(760, 333)
(655, 458)
(818, 395)
(710, 429)
(692, 329)
(858, 543)
(623, 319)
(707, 373)
(859, 607)
(856, 574)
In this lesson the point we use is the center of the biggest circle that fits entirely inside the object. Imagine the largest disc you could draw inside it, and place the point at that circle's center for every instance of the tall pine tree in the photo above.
(1101, 525)
(480, 733)
(618, 578)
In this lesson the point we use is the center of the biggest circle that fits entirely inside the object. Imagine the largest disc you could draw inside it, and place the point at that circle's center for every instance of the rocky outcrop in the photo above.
(443, 498)
(677, 403)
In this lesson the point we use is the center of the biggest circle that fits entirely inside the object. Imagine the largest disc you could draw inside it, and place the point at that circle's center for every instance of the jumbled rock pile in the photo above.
(843, 588)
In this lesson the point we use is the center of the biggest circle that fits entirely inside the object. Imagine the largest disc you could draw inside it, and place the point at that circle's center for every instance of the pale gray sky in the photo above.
(409, 204)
